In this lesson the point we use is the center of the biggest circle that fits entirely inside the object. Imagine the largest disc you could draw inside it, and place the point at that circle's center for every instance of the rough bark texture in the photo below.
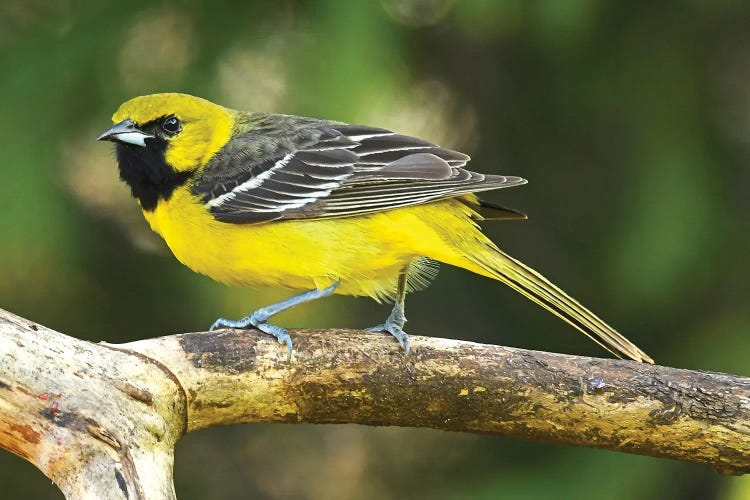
(98, 421)
(102, 420)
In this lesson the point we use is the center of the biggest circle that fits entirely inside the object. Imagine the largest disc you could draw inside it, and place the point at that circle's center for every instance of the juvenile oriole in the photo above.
(267, 199)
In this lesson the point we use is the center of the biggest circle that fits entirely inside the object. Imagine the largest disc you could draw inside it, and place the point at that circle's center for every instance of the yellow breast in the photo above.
(366, 253)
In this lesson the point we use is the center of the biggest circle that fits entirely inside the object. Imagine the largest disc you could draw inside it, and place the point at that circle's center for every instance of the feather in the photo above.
(493, 211)
(285, 167)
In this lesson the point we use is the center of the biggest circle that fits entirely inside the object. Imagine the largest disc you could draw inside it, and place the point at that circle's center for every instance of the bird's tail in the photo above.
(486, 259)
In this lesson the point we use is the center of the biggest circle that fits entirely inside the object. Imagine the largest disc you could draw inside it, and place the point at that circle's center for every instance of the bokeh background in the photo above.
(630, 119)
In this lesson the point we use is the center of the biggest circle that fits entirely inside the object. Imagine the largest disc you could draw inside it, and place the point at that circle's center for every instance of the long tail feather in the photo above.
(500, 266)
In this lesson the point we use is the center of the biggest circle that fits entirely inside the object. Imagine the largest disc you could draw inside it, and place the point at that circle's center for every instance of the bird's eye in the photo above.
(171, 125)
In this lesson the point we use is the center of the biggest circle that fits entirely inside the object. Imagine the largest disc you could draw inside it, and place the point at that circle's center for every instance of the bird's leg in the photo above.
(395, 322)
(259, 319)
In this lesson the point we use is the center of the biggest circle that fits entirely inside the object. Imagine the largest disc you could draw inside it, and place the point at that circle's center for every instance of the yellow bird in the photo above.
(258, 199)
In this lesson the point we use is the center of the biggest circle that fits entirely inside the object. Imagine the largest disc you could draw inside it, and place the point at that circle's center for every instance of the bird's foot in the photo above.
(257, 320)
(394, 325)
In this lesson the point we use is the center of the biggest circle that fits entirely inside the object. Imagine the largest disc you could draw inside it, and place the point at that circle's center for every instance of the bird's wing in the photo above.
(332, 170)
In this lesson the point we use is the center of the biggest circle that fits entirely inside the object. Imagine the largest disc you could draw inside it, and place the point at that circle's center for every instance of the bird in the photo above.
(319, 207)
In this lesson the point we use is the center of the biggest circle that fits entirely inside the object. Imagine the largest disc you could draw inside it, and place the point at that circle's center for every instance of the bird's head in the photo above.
(182, 130)
(164, 140)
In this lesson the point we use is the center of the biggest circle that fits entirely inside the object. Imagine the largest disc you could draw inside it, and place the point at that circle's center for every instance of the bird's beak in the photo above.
(125, 132)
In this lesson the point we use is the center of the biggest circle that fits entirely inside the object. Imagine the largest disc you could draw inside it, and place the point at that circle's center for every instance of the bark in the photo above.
(102, 420)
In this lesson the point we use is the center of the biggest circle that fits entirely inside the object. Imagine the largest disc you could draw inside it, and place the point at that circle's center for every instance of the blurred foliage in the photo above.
(630, 119)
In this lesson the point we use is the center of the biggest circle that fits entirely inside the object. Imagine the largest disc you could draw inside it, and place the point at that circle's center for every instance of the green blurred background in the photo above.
(631, 121)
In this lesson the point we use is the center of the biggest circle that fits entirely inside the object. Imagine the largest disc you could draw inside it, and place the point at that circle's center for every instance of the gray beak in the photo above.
(125, 132)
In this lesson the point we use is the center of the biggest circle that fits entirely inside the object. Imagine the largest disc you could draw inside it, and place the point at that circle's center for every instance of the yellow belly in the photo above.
(366, 253)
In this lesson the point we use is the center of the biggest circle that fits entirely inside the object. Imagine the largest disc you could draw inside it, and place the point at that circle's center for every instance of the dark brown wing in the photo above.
(331, 170)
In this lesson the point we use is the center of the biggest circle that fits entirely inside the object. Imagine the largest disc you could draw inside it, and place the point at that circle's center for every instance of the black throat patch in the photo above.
(147, 173)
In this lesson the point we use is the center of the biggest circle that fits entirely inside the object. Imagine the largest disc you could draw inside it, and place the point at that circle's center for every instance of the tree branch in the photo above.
(102, 419)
